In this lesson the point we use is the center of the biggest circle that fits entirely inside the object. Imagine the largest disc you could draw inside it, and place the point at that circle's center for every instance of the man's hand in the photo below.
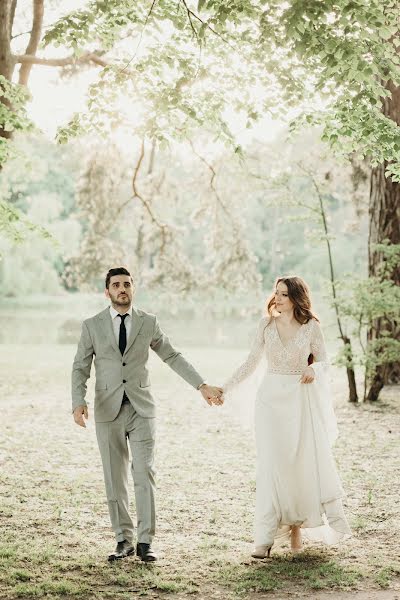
(79, 413)
(211, 394)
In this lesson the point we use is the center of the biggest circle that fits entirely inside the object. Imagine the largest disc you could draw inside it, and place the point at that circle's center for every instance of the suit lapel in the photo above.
(136, 326)
(108, 326)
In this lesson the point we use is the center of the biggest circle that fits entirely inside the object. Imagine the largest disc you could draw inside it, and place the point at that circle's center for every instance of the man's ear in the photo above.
(106, 293)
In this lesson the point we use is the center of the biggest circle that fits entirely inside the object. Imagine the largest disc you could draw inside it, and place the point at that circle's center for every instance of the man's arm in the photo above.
(80, 374)
(174, 359)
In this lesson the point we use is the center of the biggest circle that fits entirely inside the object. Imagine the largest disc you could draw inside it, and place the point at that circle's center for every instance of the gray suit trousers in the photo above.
(113, 438)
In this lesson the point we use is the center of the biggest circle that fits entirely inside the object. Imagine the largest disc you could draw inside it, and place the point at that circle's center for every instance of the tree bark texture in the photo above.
(7, 9)
(34, 40)
(384, 224)
(351, 376)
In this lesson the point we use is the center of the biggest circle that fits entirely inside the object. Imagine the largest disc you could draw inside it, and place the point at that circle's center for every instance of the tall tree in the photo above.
(12, 97)
(384, 210)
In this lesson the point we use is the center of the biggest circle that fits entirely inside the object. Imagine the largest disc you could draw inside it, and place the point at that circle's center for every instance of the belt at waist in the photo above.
(278, 372)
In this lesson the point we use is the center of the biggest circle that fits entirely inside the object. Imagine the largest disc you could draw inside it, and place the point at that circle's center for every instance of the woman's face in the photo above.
(283, 304)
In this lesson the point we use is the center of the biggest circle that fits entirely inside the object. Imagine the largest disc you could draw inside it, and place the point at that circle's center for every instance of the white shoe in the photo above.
(262, 551)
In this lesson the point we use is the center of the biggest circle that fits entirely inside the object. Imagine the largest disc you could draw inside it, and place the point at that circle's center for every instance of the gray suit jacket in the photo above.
(98, 341)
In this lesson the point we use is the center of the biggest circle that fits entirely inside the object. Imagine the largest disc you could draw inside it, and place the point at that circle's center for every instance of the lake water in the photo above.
(58, 320)
(54, 323)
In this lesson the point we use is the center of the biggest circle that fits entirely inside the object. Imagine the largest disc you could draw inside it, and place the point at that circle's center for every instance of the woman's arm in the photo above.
(318, 348)
(253, 359)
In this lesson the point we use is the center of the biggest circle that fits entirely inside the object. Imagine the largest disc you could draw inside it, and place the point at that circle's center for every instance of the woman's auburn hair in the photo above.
(299, 294)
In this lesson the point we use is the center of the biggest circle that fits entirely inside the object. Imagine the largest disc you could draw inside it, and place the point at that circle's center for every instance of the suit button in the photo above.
(124, 364)
(124, 381)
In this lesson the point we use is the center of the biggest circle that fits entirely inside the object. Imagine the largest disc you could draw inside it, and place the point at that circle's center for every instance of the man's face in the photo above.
(120, 290)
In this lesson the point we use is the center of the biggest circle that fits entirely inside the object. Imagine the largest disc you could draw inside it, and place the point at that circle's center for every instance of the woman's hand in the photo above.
(211, 394)
(308, 375)
(219, 398)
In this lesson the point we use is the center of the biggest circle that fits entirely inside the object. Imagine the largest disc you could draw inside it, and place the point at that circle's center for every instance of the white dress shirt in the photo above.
(116, 321)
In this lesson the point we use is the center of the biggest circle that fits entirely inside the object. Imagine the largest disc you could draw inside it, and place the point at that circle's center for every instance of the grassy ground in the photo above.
(54, 527)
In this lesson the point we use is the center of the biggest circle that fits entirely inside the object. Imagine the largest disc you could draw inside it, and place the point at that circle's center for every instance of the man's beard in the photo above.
(121, 300)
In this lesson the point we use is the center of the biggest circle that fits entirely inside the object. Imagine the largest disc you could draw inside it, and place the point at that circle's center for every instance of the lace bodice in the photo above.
(290, 358)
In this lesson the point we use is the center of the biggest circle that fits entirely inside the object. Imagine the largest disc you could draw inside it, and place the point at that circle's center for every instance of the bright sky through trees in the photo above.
(56, 98)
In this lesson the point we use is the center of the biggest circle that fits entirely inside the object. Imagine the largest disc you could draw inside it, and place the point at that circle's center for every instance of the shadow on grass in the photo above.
(43, 572)
(310, 570)
(46, 572)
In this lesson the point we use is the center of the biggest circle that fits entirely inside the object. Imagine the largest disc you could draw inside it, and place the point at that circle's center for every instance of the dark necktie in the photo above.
(122, 334)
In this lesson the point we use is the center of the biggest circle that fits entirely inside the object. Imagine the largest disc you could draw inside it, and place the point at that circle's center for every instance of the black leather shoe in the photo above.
(145, 553)
(122, 550)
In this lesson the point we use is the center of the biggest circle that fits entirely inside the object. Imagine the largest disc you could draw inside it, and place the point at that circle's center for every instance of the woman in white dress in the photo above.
(298, 490)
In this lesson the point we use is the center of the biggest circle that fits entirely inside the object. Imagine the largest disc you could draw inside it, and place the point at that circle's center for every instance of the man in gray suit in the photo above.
(119, 339)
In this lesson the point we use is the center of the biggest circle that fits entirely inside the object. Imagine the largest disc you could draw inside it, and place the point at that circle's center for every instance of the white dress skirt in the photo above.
(297, 482)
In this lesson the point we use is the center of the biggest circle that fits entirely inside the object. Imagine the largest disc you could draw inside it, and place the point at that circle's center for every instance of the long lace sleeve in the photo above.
(322, 381)
(253, 359)
(318, 348)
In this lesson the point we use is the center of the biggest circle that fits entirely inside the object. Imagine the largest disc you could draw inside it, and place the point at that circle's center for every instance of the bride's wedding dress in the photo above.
(296, 481)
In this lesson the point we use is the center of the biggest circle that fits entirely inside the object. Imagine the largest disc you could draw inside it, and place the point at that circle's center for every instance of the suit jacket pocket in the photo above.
(144, 383)
(100, 385)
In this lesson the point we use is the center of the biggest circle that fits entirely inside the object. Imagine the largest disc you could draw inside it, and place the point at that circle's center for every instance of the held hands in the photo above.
(212, 394)
(79, 413)
(308, 375)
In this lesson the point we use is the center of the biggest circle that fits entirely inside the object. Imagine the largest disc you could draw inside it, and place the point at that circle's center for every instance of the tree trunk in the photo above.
(7, 60)
(34, 40)
(7, 9)
(351, 376)
(384, 216)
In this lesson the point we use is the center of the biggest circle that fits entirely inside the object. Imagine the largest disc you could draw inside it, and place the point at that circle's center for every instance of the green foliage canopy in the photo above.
(191, 62)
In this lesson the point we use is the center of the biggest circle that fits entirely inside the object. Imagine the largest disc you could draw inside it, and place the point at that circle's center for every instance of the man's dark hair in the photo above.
(116, 271)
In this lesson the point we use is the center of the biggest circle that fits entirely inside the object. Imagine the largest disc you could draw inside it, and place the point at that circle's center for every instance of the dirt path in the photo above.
(54, 528)
(310, 595)
(293, 594)
(334, 595)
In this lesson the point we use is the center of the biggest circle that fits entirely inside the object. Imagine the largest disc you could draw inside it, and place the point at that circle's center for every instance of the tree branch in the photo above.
(191, 14)
(190, 20)
(61, 62)
(140, 36)
(136, 194)
(12, 16)
(34, 40)
(218, 198)
(150, 12)
(45, 27)
(328, 244)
